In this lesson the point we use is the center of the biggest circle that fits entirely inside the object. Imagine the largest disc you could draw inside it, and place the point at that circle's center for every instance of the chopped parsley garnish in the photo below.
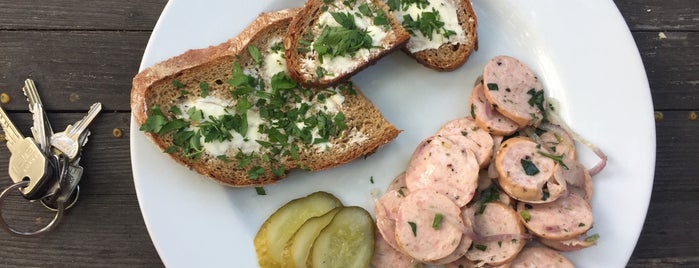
(413, 227)
(537, 99)
(480, 247)
(492, 86)
(581, 224)
(260, 191)
(427, 23)
(557, 158)
(344, 40)
(255, 54)
(473, 111)
(204, 86)
(529, 167)
(437, 221)
(490, 194)
(293, 119)
(177, 83)
(405, 4)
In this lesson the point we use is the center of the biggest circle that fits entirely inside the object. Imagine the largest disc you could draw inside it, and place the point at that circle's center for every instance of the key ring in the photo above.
(59, 213)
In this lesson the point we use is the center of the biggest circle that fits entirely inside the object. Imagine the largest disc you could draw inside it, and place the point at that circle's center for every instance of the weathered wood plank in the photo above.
(76, 14)
(660, 15)
(71, 69)
(100, 231)
(670, 236)
(671, 60)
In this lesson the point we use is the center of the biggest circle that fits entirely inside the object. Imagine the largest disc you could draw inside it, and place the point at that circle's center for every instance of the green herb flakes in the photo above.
(413, 227)
(437, 221)
(529, 167)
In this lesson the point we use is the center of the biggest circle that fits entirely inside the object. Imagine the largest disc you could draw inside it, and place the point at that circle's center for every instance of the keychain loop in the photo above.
(3, 225)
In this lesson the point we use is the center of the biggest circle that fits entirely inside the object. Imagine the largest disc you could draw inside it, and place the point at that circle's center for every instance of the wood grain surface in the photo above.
(81, 51)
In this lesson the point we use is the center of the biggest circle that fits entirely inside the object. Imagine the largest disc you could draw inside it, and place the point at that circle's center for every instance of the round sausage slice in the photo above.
(492, 172)
(488, 118)
(428, 226)
(573, 244)
(443, 167)
(525, 174)
(466, 263)
(386, 211)
(494, 220)
(387, 256)
(465, 132)
(557, 140)
(541, 257)
(565, 218)
(514, 90)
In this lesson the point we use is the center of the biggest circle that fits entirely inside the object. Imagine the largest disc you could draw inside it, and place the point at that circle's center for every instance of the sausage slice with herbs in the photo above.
(565, 218)
(540, 257)
(386, 211)
(514, 90)
(444, 167)
(501, 234)
(488, 118)
(428, 226)
(525, 173)
(468, 134)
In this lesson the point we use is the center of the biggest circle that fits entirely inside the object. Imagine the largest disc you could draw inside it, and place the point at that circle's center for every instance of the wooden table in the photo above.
(81, 52)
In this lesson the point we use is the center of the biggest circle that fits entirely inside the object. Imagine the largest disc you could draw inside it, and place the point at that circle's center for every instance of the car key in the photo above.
(68, 141)
(41, 128)
(27, 161)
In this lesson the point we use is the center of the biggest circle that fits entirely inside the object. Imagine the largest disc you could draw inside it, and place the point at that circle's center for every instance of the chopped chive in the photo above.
(260, 191)
(413, 227)
(492, 86)
(437, 222)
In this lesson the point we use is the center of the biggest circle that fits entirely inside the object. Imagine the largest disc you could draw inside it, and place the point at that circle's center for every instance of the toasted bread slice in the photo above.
(447, 44)
(329, 41)
(231, 112)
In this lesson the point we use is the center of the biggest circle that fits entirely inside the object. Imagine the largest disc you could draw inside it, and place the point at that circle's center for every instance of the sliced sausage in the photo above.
(397, 183)
(386, 211)
(541, 257)
(459, 252)
(514, 90)
(573, 244)
(488, 118)
(525, 174)
(492, 172)
(496, 219)
(465, 132)
(386, 256)
(557, 140)
(416, 232)
(443, 167)
(577, 178)
(466, 263)
(565, 218)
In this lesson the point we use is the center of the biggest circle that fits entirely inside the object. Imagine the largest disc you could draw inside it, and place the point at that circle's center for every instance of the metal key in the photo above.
(41, 129)
(66, 191)
(27, 162)
(68, 141)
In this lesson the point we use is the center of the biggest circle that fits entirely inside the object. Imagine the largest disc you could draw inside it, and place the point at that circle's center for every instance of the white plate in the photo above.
(591, 66)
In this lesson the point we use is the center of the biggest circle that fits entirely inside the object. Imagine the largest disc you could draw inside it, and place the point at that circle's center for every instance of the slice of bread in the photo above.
(330, 40)
(450, 45)
(231, 112)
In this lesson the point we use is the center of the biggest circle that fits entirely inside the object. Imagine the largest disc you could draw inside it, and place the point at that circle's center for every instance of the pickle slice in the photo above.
(283, 223)
(297, 248)
(348, 241)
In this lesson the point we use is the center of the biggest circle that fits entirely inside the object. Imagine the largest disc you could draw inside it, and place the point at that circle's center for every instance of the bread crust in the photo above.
(303, 24)
(153, 86)
(449, 57)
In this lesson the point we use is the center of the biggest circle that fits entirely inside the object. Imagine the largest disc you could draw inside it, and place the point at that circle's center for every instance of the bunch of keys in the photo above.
(47, 167)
